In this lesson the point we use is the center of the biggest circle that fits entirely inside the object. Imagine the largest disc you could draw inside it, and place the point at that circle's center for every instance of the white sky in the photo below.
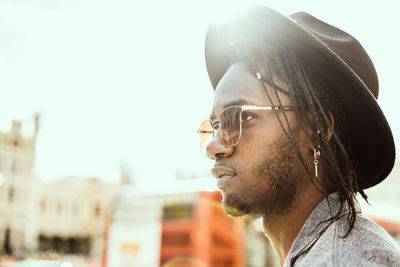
(124, 83)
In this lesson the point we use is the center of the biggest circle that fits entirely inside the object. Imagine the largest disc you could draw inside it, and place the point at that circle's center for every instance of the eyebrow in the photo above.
(237, 102)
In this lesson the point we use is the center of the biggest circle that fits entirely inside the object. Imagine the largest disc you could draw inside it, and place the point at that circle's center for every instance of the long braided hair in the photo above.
(313, 99)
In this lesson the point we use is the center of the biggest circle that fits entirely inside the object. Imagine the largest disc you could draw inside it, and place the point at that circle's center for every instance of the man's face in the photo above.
(260, 175)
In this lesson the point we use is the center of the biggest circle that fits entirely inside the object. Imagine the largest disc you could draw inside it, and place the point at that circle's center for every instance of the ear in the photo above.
(328, 131)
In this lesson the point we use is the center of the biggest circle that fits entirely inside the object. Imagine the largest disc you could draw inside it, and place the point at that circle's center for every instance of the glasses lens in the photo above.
(229, 129)
(230, 126)
(206, 133)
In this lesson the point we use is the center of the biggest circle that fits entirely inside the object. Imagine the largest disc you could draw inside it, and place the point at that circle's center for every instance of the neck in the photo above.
(283, 229)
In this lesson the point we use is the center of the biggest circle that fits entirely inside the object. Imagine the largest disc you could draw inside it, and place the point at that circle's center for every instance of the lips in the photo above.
(220, 171)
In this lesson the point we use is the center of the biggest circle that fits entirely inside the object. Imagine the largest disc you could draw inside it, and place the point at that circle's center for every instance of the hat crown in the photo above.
(345, 46)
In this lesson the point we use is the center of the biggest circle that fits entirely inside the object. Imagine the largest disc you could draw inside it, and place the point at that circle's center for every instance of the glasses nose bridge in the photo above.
(216, 137)
(221, 145)
(216, 148)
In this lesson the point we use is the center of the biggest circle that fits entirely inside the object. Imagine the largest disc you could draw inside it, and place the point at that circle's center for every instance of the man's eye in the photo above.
(247, 117)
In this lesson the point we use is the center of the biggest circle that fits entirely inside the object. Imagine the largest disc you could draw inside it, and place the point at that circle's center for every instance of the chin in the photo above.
(233, 211)
(237, 205)
(234, 206)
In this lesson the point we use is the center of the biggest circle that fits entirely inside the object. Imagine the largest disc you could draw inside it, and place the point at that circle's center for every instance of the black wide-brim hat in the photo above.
(333, 51)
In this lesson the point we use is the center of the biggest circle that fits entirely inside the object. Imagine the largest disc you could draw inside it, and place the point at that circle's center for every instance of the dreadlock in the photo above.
(313, 100)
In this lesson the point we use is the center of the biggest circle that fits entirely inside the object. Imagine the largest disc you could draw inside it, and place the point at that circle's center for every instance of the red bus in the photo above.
(181, 223)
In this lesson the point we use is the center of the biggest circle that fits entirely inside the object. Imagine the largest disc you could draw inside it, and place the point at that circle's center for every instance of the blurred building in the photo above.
(69, 215)
(17, 155)
(66, 216)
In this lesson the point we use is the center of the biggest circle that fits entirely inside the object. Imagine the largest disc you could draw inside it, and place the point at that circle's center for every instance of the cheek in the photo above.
(258, 137)
(255, 148)
(255, 140)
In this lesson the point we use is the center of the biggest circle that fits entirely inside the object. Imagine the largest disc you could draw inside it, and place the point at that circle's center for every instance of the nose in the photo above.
(217, 150)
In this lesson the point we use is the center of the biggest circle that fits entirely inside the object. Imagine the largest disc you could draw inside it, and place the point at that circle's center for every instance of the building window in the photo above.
(11, 194)
(75, 209)
(97, 211)
(59, 207)
(12, 167)
(43, 206)
(178, 211)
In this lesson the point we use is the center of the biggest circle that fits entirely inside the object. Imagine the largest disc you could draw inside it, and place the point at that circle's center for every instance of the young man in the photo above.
(296, 133)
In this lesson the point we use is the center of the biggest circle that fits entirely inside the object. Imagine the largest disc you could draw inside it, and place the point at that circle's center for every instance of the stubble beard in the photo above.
(274, 193)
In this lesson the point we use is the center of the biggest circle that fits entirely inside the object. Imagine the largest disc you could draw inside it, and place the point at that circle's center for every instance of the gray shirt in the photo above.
(367, 245)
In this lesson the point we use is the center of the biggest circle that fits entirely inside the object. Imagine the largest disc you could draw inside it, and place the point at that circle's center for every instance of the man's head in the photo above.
(331, 83)
(263, 171)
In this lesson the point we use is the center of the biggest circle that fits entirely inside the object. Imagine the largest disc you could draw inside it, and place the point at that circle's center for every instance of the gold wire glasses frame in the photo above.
(228, 125)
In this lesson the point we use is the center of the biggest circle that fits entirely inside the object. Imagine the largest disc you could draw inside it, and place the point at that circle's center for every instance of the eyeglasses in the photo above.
(229, 125)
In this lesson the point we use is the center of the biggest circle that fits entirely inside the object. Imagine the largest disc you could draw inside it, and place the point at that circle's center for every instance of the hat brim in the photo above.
(373, 150)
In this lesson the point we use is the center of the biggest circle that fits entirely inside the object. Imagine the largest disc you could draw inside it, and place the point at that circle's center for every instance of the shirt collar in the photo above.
(314, 225)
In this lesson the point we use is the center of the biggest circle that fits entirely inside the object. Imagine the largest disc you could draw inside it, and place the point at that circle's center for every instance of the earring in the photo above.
(317, 154)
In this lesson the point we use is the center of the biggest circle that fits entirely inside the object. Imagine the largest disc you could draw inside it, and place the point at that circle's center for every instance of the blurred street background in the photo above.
(99, 106)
